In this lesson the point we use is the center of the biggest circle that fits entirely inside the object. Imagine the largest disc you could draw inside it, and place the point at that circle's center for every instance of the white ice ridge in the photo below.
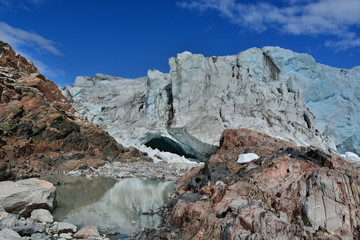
(332, 95)
(351, 157)
(271, 90)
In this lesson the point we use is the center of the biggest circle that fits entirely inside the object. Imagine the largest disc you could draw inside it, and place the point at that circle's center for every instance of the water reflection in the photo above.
(120, 207)
(76, 192)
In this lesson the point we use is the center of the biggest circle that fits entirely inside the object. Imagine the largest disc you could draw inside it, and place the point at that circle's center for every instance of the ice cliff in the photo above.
(271, 90)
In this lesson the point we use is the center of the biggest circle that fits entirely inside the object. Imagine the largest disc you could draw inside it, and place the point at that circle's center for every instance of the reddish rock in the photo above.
(87, 231)
(39, 129)
(289, 193)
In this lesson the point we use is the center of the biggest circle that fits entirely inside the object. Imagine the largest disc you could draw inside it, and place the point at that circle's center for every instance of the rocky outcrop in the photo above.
(290, 192)
(39, 129)
(200, 97)
(24, 196)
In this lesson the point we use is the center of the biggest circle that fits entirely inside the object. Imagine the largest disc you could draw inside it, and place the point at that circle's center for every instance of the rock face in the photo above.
(290, 192)
(40, 131)
(201, 96)
(24, 196)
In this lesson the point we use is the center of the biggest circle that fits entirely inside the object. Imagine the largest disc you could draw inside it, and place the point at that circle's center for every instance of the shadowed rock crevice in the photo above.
(307, 120)
(312, 154)
(170, 107)
(274, 70)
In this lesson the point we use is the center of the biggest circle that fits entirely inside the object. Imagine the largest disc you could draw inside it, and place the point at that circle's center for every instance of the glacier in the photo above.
(332, 95)
(272, 90)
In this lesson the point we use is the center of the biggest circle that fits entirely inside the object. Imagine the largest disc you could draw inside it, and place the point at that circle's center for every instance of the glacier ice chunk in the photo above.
(352, 157)
(247, 157)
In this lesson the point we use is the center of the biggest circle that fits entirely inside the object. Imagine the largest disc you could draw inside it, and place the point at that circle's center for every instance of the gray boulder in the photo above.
(24, 196)
(42, 215)
(39, 236)
(3, 213)
(8, 234)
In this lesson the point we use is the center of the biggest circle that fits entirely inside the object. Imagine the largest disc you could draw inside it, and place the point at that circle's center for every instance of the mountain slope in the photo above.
(39, 129)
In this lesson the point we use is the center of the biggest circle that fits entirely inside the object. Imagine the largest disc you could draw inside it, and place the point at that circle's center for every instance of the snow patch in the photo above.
(247, 157)
(351, 157)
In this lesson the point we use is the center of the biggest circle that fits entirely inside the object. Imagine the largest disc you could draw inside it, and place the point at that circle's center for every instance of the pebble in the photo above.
(66, 235)
(63, 227)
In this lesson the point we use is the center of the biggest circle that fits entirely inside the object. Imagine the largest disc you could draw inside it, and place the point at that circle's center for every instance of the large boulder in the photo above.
(24, 196)
(290, 192)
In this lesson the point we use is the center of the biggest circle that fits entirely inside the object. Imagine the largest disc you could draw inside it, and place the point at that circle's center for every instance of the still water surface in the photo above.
(113, 206)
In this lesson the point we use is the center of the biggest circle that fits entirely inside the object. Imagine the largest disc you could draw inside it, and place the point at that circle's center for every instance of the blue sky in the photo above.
(67, 38)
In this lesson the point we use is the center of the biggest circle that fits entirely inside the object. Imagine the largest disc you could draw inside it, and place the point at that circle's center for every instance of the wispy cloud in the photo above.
(297, 17)
(344, 44)
(10, 3)
(27, 5)
(6, 3)
(29, 44)
(19, 38)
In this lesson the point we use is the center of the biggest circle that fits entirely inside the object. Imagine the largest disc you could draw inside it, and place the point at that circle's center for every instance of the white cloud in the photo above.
(18, 38)
(28, 44)
(344, 43)
(297, 17)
